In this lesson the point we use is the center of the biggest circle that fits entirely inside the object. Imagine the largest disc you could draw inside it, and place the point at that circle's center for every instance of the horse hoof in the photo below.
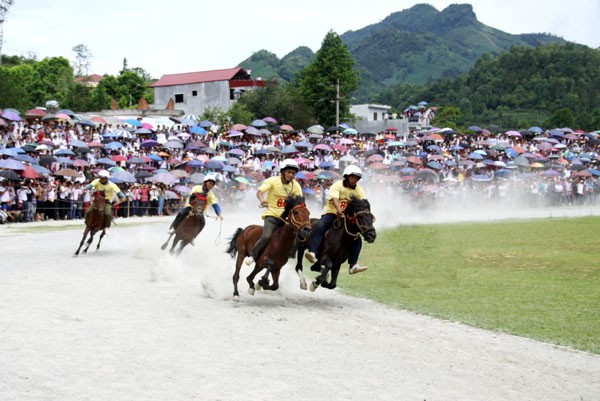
(251, 291)
(313, 287)
(162, 248)
(236, 298)
(303, 286)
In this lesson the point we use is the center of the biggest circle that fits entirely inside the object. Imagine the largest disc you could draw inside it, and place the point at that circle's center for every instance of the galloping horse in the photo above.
(95, 222)
(295, 228)
(356, 220)
(189, 227)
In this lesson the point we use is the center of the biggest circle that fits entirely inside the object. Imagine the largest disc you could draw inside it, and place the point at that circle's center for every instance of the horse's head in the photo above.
(99, 200)
(198, 203)
(297, 215)
(358, 212)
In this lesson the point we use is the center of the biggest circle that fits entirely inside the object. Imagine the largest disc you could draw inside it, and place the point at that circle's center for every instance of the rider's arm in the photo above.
(336, 204)
(261, 200)
(121, 195)
(217, 209)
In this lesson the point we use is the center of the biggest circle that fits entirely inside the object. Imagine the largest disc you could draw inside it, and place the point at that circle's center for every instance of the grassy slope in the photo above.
(538, 279)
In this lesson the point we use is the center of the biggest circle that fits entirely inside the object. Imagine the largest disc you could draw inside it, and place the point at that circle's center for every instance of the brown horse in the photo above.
(189, 227)
(94, 222)
(295, 227)
(357, 220)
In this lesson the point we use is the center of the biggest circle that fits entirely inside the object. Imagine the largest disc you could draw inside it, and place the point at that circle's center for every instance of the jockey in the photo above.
(278, 188)
(205, 190)
(110, 189)
(339, 195)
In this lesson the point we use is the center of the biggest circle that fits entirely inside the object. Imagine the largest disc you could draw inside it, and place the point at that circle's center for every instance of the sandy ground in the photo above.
(130, 322)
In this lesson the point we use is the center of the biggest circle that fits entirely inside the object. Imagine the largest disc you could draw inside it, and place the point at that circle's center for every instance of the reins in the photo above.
(354, 219)
(293, 222)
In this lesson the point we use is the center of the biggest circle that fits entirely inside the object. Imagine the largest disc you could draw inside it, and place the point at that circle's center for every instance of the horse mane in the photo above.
(290, 202)
(354, 205)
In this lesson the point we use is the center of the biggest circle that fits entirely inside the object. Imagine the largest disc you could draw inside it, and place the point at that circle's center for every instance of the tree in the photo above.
(329, 80)
(83, 55)
(4, 6)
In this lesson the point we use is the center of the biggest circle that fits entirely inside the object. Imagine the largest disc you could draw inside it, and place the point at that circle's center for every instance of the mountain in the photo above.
(416, 45)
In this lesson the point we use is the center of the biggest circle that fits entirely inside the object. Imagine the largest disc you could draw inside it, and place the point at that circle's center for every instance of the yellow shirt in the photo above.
(277, 194)
(110, 188)
(343, 194)
(210, 197)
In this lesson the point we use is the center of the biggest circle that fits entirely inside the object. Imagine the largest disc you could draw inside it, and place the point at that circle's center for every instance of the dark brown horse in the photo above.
(357, 220)
(94, 222)
(295, 227)
(189, 227)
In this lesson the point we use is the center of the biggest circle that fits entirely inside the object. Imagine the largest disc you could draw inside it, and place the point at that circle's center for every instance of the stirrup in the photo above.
(356, 269)
(311, 257)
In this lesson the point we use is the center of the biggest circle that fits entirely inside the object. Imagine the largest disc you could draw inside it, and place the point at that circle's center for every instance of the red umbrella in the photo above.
(29, 172)
(118, 158)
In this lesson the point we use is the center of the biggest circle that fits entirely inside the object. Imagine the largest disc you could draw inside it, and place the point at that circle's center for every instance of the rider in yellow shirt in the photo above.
(110, 189)
(277, 188)
(339, 195)
(205, 189)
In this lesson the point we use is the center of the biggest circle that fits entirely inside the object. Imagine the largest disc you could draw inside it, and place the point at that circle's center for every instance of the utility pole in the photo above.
(337, 103)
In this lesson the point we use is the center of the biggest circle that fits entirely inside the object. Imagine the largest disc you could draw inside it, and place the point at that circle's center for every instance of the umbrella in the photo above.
(350, 131)
(427, 174)
(11, 115)
(149, 143)
(134, 122)
(242, 180)
(196, 178)
(205, 124)
(198, 130)
(165, 178)
(12, 164)
(29, 172)
(106, 161)
(286, 127)
(67, 172)
(124, 176)
(182, 189)
(214, 164)
(64, 152)
(258, 123)
(113, 145)
(142, 174)
(10, 175)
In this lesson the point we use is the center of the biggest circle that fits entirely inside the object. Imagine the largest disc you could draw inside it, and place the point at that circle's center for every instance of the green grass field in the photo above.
(534, 278)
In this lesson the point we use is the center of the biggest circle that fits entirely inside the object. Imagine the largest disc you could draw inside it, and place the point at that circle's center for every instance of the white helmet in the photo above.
(210, 177)
(103, 174)
(353, 170)
(289, 163)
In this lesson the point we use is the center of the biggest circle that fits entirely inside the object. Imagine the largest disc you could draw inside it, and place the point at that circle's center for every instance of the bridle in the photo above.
(353, 219)
(296, 224)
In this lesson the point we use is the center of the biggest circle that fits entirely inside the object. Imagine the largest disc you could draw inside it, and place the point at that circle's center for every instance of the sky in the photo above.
(189, 35)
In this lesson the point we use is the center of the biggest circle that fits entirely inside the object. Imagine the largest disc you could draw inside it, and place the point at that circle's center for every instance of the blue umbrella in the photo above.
(9, 152)
(205, 124)
(195, 163)
(308, 191)
(134, 122)
(258, 123)
(106, 161)
(64, 152)
(113, 145)
(11, 164)
(198, 130)
(65, 160)
(40, 169)
(26, 158)
(214, 164)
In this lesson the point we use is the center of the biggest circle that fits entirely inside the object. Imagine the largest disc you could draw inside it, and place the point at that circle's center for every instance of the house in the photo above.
(370, 112)
(194, 92)
(89, 80)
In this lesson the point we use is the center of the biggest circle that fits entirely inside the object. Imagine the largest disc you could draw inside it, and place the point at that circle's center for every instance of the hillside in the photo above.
(416, 45)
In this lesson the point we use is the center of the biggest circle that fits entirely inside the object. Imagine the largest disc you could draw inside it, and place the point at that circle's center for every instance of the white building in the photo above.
(194, 92)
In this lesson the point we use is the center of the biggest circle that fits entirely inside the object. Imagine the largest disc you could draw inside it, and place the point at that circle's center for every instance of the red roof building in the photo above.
(194, 92)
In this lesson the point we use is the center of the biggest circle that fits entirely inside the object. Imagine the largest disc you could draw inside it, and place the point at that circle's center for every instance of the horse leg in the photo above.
(299, 271)
(321, 278)
(89, 241)
(264, 281)
(100, 239)
(250, 278)
(236, 276)
(85, 233)
(181, 246)
(174, 244)
(275, 274)
(164, 246)
(334, 275)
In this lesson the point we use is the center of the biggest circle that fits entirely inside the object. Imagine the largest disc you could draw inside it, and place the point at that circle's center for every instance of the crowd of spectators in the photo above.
(45, 163)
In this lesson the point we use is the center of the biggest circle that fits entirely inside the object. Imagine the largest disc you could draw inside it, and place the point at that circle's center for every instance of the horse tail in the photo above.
(232, 248)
